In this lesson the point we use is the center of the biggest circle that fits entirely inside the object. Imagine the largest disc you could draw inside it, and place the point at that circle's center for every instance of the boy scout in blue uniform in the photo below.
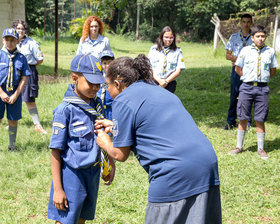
(236, 42)
(75, 153)
(106, 58)
(13, 74)
(256, 64)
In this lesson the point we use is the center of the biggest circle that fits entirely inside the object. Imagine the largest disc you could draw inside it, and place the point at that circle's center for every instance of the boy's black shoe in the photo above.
(13, 148)
(229, 126)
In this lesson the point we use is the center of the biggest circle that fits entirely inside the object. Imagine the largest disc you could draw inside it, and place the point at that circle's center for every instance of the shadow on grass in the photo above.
(269, 145)
(205, 94)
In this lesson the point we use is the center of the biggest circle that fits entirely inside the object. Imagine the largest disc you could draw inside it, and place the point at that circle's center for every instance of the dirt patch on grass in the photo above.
(53, 79)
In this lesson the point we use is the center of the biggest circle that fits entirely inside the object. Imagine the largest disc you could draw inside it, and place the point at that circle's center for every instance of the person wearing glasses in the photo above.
(34, 55)
(166, 59)
(92, 42)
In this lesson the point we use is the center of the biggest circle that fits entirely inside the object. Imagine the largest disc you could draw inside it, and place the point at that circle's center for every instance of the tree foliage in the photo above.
(190, 18)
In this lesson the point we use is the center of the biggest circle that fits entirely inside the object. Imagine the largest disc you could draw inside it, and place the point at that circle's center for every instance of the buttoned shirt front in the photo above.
(248, 61)
(174, 60)
(237, 41)
(20, 68)
(94, 47)
(31, 50)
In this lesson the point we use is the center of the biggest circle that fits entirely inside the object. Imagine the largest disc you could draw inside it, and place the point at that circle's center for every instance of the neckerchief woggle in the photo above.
(9, 85)
(259, 60)
(246, 39)
(104, 163)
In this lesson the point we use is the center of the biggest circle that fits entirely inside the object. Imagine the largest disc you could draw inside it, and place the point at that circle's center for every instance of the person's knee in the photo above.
(81, 221)
(31, 105)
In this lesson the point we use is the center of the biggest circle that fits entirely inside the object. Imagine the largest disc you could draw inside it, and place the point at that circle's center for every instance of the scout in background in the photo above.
(75, 158)
(256, 64)
(34, 55)
(106, 58)
(236, 42)
(166, 59)
(13, 74)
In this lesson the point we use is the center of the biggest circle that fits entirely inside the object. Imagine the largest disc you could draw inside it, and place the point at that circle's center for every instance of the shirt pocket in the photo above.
(83, 137)
(173, 63)
(3, 70)
(18, 67)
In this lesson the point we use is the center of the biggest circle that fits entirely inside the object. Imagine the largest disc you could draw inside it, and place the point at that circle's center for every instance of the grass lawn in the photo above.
(250, 187)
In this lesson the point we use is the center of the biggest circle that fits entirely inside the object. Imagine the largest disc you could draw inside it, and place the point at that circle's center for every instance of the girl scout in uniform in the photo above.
(153, 123)
(166, 59)
(256, 64)
(92, 41)
(34, 55)
(75, 153)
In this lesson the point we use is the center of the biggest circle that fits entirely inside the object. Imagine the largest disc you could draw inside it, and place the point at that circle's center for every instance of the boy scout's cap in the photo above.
(89, 66)
(107, 53)
(10, 32)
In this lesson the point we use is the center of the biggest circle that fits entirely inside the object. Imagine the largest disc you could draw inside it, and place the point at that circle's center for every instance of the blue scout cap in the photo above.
(107, 53)
(10, 32)
(89, 66)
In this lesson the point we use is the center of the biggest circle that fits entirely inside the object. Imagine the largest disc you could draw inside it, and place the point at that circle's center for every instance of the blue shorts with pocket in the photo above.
(13, 110)
(81, 189)
(31, 88)
(249, 95)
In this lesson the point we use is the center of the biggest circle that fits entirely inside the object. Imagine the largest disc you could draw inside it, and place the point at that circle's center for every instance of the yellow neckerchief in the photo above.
(259, 59)
(246, 39)
(9, 85)
(165, 52)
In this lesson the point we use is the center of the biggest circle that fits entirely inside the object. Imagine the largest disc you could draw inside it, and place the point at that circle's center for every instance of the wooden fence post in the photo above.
(217, 34)
(275, 28)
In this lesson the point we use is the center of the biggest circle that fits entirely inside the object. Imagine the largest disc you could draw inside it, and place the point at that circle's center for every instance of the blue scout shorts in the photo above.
(31, 88)
(13, 110)
(249, 95)
(81, 189)
(204, 208)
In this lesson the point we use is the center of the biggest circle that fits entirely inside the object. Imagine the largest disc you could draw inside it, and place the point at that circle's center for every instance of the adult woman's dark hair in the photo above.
(131, 70)
(160, 37)
(23, 23)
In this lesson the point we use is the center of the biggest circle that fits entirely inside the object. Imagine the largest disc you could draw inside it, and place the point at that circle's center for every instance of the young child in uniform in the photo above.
(13, 74)
(106, 58)
(256, 64)
(75, 155)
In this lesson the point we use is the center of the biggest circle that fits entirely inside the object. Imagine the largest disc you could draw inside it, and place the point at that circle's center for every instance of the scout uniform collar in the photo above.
(245, 40)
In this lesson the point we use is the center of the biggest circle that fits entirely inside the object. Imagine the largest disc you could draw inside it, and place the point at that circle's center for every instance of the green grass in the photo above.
(250, 187)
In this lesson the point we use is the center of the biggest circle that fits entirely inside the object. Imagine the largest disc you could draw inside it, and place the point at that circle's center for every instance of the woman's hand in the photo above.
(104, 123)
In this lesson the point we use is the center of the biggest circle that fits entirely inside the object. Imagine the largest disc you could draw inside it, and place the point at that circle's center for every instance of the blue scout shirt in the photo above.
(174, 60)
(31, 50)
(237, 42)
(20, 68)
(179, 159)
(248, 61)
(95, 48)
(73, 133)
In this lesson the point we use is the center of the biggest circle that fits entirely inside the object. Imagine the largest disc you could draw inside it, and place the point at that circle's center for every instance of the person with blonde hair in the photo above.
(92, 41)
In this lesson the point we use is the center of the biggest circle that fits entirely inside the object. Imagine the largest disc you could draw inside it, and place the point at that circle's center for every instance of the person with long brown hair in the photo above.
(92, 41)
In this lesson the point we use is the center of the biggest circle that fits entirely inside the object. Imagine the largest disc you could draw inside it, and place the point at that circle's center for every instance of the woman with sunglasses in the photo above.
(92, 42)
(166, 59)
(153, 123)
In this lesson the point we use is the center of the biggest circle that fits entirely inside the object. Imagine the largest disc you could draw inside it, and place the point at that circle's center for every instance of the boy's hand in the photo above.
(60, 200)
(4, 97)
(13, 99)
